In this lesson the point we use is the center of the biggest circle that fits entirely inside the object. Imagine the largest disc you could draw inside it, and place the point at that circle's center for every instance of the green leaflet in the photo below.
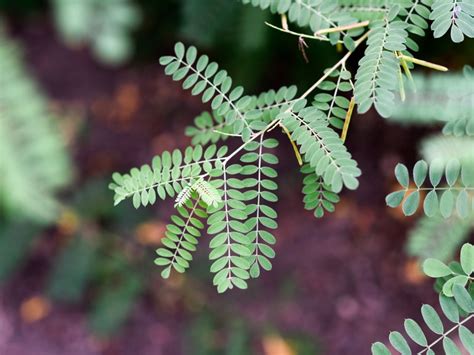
(263, 217)
(168, 175)
(263, 108)
(332, 100)
(241, 225)
(259, 111)
(208, 128)
(456, 16)
(204, 78)
(436, 268)
(181, 237)
(317, 195)
(461, 126)
(467, 258)
(442, 199)
(376, 78)
(322, 147)
(315, 14)
(416, 15)
(365, 9)
(230, 248)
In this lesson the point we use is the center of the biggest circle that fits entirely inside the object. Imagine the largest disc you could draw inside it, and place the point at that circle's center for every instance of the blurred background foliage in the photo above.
(100, 257)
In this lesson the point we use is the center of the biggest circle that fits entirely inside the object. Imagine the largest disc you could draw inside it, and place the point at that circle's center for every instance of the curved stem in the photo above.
(181, 237)
(298, 34)
(313, 87)
(445, 334)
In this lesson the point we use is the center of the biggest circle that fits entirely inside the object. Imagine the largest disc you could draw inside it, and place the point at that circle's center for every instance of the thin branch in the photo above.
(446, 334)
(226, 134)
(352, 26)
(337, 65)
(276, 121)
(467, 188)
(227, 223)
(298, 34)
(183, 231)
(259, 179)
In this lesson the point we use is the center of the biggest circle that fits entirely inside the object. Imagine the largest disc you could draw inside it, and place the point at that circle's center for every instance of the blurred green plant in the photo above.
(204, 331)
(104, 24)
(210, 22)
(217, 334)
(437, 99)
(95, 262)
(456, 297)
(438, 237)
(35, 164)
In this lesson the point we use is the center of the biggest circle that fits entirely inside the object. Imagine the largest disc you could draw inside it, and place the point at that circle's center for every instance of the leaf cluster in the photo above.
(455, 195)
(105, 25)
(34, 162)
(457, 306)
(234, 189)
(168, 174)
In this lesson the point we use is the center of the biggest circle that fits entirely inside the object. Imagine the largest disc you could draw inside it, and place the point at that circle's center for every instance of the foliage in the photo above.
(236, 196)
(457, 305)
(34, 164)
(456, 194)
(214, 333)
(438, 98)
(441, 99)
(376, 78)
(210, 22)
(239, 215)
(332, 100)
(322, 148)
(106, 25)
(317, 195)
(233, 200)
(445, 148)
(454, 16)
(447, 277)
(181, 236)
(72, 270)
(16, 238)
(168, 175)
(93, 262)
(438, 237)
